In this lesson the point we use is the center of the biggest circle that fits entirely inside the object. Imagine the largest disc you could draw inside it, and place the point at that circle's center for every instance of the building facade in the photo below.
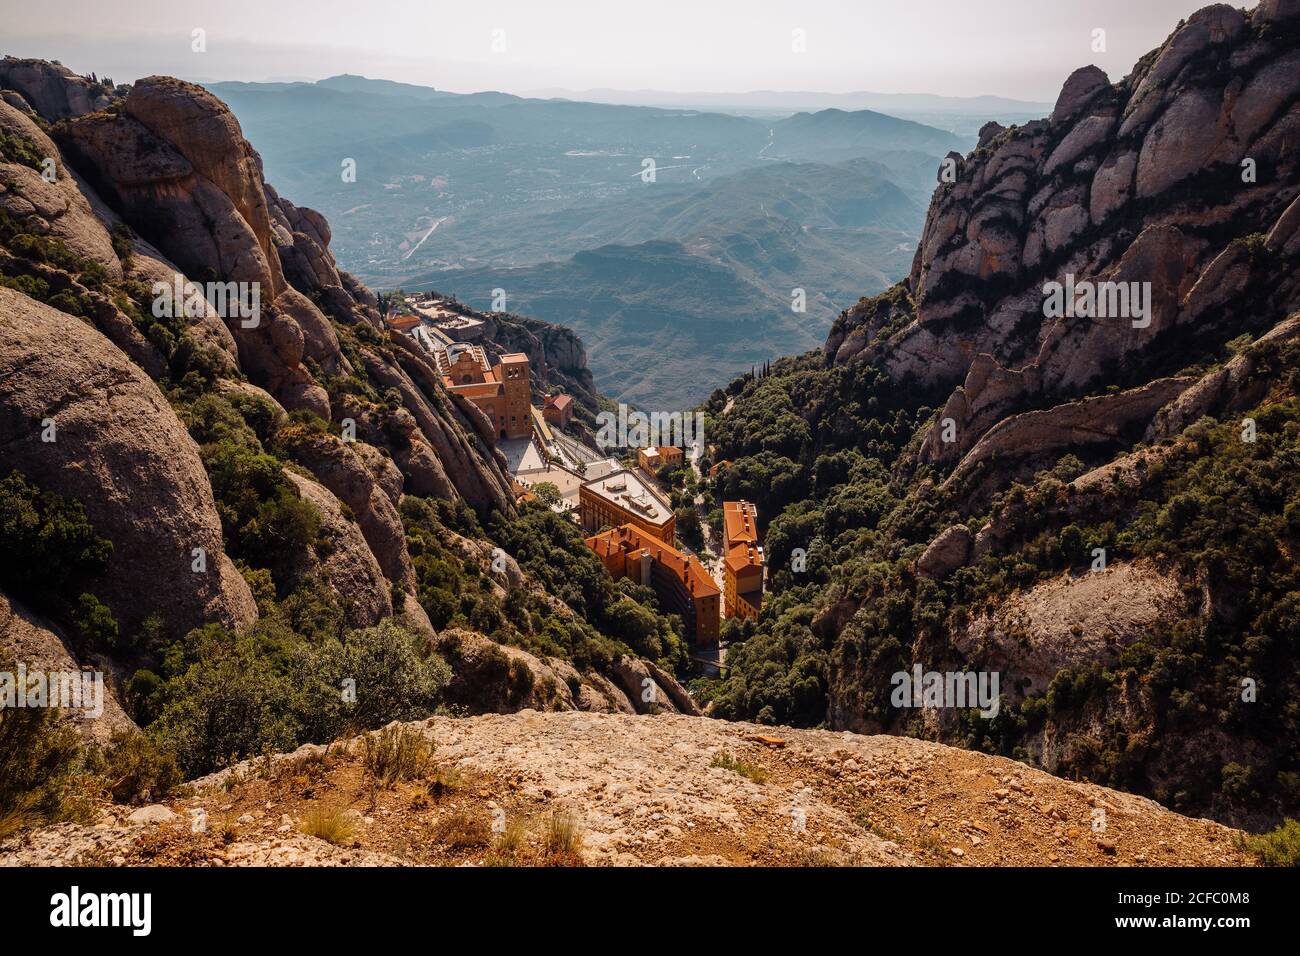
(742, 574)
(624, 498)
(654, 458)
(681, 583)
(558, 409)
(502, 392)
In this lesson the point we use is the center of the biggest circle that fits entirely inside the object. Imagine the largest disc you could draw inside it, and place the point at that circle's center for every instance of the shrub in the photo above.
(562, 840)
(1281, 847)
(736, 765)
(264, 519)
(392, 681)
(48, 546)
(95, 622)
(39, 760)
(460, 828)
(225, 702)
(134, 769)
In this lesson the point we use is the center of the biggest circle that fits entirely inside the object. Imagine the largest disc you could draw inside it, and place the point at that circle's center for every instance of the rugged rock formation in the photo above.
(1029, 436)
(344, 559)
(1184, 175)
(176, 167)
(946, 553)
(51, 89)
(494, 678)
(116, 446)
(40, 645)
(155, 188)
(1182, 179)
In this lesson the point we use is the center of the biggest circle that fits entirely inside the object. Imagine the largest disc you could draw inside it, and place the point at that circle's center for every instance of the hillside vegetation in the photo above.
(955, 461)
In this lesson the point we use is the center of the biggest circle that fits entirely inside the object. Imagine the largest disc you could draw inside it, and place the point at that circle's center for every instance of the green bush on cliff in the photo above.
(48, 547)
(264, 519)
(39, 765)
(847, 492)
(228, 697)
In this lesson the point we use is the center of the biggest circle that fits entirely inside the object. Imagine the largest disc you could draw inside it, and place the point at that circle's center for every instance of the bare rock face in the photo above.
(173, 164)
(1143, 180)
(946, 553)
(650, 690)
(121, 452)
(370, 485)
(53, 90)
(1081, 87)
(217, 226)
(345, 560)
(1233, 387)
(1275, 11)
(56, 208)
(40, 646)
(1073, 620)
(203, 130)
(458, 434)
(1072, 426)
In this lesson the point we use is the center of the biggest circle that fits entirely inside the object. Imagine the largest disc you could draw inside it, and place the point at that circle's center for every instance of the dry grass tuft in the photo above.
(394, 754)
(562, 839)
(461, 829)
(751, 771)
(331, 825)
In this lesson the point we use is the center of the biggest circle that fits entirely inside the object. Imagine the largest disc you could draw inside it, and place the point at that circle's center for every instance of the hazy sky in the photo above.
(1017, 48)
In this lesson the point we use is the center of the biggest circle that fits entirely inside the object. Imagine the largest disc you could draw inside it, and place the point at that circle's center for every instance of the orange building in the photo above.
(742, 560)
(402, 323)
(681, 583)
(558, 409)
(623, 498)
(652, 459)
(502, 392)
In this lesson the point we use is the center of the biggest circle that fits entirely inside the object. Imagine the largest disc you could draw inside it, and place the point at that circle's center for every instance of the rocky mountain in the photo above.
(230, 490)
(1096, 500)
(226, 485)
(611, 790)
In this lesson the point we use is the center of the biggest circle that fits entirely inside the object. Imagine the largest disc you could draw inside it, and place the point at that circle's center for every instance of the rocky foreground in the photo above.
(662, 790)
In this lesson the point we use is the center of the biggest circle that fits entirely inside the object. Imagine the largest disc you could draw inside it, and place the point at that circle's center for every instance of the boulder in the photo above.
(1080, 89)
(119, 450)
(946, 553)
(52, 89)
(342, 557)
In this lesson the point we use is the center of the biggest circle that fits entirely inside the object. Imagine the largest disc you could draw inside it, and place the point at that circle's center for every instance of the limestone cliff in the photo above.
(1183, 175)
(1100, 507)
(185, 365)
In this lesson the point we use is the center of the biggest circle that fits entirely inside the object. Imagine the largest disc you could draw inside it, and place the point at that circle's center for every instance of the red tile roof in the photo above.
(631, 541)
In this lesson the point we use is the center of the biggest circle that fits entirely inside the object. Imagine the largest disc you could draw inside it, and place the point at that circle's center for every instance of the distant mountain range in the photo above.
(601, 216)
(664, 317)
(794, 101)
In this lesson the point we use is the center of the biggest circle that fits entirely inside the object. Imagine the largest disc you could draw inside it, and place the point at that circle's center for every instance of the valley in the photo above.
(406, 557)
(551, 201)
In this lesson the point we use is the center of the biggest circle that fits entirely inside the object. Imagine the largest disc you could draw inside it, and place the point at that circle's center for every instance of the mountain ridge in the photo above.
(980, 484)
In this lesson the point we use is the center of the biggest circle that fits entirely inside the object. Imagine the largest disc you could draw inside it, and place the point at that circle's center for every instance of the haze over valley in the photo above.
(551, 201)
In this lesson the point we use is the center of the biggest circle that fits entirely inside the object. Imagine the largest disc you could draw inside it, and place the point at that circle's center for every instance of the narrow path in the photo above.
(436, 224)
